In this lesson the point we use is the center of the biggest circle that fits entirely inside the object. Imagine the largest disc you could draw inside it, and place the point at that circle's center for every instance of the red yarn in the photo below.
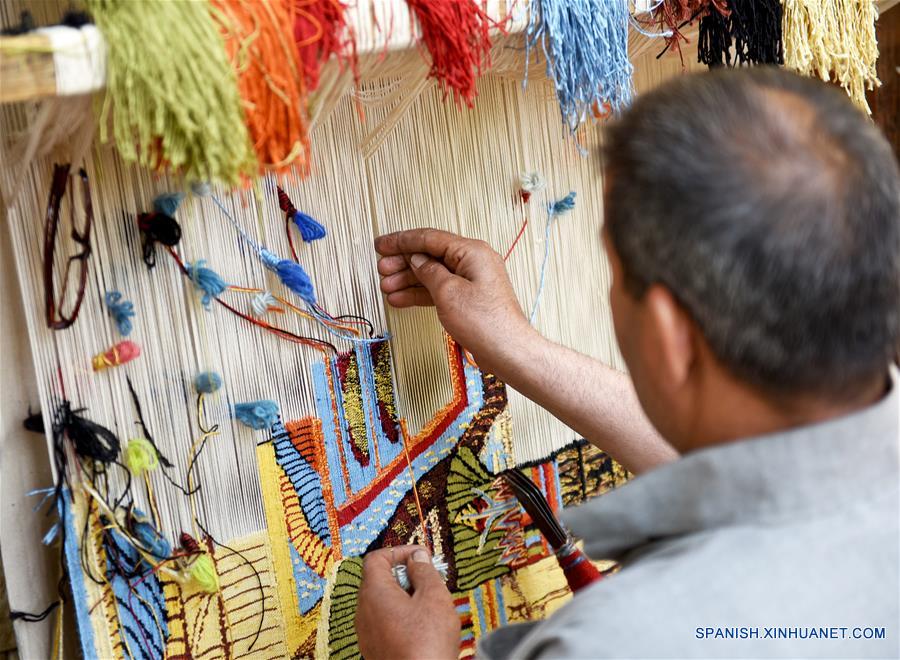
(456, 34)
(578, 569)
(321, 30)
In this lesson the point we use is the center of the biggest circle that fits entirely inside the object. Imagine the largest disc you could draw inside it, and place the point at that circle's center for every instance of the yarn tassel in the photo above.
(834, 40)
(259, 38)
(207, 382)
(257, 415)
(291, 275)
(124, 351)
(310, 228)
(121, 311)
(554, 210)
(206, 281)
(673, 15)
(171, 91)
(751, 27)
(168, 203)
(140, 456)
(457, 36)
(321, 30)
(156, 228)
(585, 43)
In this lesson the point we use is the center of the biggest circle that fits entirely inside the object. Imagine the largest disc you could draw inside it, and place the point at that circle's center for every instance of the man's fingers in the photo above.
(423, 576)
(399, 281)
(391, 265)
(433, 242)
(416, 296)
(377, 565)
(430, 272)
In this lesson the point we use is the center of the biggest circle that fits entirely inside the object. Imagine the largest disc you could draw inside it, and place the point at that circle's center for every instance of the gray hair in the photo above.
(770, 207)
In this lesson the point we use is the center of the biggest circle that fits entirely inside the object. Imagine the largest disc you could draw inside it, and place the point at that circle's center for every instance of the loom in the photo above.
(284, 512)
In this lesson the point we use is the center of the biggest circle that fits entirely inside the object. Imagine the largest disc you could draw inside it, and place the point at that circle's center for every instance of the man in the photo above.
(753, 226)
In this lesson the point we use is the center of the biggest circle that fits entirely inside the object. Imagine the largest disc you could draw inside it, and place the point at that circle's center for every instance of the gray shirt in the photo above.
(785, 545)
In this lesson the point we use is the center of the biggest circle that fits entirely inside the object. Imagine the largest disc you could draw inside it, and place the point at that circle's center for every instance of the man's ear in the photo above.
(672, 330)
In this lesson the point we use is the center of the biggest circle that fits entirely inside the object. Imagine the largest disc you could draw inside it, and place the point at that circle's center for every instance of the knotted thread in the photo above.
(207, 382)
(140, 456)
(310, 228)
(257, 415)
(554, 210)
(124, 351)
(206, 281)
(121, 311)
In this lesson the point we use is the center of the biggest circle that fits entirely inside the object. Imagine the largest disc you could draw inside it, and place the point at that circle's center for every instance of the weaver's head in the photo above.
(753, 222)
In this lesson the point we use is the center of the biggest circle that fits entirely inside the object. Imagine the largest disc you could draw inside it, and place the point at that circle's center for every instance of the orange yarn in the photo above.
(259, 39)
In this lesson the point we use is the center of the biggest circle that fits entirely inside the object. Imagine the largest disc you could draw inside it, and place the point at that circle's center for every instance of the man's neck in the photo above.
(742, 412)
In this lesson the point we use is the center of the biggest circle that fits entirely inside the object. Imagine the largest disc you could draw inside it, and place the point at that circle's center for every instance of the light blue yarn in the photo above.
(168, 203)
(206, 281)
(554, 210)
(257, 415)
(585, 43)
(207, 382)
(121, 311)
(291, 275)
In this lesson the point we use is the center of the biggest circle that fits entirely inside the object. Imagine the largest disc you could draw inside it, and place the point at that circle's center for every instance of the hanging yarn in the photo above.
(291, 275)
(310, 228)
(259, 38)
(457, 36)
(201, 569)
(206, 281)
(171, 90)
(89, 438)
(751, 30)
(140, 456)
(834, 40)
(157, 228)
(554, 210)
(168, 203)
(121, 311)
(289, 272)
(257, 415)
(321, 30)
(148, 536)
(673, 15)
(585, 43)
(207, 382)
(530, 183)
(261, 303)
(124, 351)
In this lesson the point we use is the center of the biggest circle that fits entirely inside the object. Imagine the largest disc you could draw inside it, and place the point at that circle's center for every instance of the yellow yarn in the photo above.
(835, 40)
(203, 572)
(140, 456)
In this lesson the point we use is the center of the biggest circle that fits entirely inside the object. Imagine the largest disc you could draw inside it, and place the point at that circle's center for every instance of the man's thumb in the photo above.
(430, 272)
(423, 576)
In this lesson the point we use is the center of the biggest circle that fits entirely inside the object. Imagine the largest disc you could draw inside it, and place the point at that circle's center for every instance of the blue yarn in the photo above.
(557, 208)
(149, 537)
(206, 280)
(168, 203)
(120, 310)
(310, 228)
(207, 382)
(291, 275)
(257, 414)
(585, 43)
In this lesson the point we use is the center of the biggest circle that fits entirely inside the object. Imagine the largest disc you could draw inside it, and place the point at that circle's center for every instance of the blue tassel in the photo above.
(120, 310)
(207, 382)
(585, 43)
(206, 280)
(291, 275)
(310, 228)
(168, 203)
(257, 414)
(563, 205)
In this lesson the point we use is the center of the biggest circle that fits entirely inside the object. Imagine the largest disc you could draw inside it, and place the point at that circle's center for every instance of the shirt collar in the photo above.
(774, 477)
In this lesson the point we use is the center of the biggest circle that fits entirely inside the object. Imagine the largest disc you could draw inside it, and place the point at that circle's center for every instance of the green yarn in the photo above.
(140, 456)
(203, 572)
(172, 91)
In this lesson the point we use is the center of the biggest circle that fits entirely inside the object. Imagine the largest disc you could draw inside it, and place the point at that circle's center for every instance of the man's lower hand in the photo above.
(463, 278)
(392, 624)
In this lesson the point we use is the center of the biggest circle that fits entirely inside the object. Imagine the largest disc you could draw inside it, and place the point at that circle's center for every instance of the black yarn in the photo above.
(26, 24)
(140, 413)
(34, 422)
(157, 228)
(753, 28)
(74, 18)
(89, 438)
(28, 617)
